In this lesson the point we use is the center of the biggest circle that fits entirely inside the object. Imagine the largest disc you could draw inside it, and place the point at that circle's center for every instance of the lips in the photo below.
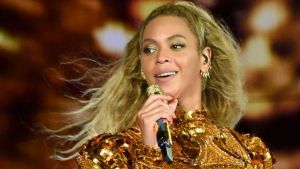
(166, 74)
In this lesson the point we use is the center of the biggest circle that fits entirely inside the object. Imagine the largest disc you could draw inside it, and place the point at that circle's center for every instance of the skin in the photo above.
(168, 45)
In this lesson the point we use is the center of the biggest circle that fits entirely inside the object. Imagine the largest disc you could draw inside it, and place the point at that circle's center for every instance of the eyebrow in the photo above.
(176, 36)
(168, 39)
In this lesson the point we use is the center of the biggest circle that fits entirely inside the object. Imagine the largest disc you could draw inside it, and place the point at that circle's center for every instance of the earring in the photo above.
(143, 75)
(205, 75)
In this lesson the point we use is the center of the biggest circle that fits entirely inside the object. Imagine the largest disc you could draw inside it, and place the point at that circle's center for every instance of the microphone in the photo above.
(163, 134)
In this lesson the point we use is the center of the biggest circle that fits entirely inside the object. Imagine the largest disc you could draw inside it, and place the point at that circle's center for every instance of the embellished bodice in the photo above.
(197, 143)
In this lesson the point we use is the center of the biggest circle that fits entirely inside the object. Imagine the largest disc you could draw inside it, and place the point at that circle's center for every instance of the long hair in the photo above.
(113, 107)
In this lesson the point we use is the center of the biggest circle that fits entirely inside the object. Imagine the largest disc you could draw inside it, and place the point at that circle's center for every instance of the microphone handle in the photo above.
(164, 140)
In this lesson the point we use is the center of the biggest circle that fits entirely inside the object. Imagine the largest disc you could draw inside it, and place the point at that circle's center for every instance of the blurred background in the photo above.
(40, 38)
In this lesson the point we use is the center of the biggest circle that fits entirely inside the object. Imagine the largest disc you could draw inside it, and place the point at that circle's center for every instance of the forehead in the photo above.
(166, 26)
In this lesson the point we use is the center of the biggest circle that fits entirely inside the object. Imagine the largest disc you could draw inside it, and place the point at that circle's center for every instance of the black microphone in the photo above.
(163, 134)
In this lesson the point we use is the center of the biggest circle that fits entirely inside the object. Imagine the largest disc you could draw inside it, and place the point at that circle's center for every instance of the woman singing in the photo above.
(193, 58)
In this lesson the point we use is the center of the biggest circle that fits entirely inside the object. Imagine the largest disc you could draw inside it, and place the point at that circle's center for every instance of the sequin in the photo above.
(197, 143)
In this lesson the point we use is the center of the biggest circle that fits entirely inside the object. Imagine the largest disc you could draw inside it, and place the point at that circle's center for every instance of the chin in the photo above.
(170, 92)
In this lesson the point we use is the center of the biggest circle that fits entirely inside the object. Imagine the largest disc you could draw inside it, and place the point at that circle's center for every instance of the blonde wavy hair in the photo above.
(113, 107)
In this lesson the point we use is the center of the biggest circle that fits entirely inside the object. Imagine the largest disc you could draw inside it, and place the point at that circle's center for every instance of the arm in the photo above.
(105, 151)
(124, 150)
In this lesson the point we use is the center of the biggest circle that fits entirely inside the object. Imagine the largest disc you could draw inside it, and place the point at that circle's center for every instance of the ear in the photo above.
(205, 59)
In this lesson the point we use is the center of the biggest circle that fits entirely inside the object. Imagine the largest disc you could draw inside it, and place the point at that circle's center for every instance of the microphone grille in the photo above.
(154, 89)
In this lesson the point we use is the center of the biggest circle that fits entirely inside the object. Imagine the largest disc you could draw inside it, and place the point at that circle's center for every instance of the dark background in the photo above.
(37, 36)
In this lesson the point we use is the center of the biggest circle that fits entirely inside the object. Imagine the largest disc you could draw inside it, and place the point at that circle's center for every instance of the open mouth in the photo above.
(166, 74)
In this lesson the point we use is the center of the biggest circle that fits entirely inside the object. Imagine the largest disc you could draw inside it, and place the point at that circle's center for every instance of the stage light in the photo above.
(257, 52)
(140, 9)
(8, 42)
(112, 38)
(259, 107)
(268, 16)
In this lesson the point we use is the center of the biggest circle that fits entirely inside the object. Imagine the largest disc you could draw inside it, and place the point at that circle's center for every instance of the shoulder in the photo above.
(258, 151)
(107, 150)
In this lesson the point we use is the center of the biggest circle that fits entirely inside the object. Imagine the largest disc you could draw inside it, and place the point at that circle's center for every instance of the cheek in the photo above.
(145, 66)
(196, 63)
(191, 64)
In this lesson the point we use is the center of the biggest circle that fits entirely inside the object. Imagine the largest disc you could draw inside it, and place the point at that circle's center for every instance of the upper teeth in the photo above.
(167, 74)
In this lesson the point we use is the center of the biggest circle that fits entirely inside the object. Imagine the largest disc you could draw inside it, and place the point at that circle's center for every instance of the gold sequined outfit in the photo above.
(197, 143)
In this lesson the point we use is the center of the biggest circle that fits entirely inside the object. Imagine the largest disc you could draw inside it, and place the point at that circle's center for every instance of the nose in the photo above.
(162, 57)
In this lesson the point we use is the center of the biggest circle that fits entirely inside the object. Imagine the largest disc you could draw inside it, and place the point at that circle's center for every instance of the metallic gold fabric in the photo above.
(197, 143)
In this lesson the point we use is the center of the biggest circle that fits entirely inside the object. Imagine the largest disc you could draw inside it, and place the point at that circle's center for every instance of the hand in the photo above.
(155, 107)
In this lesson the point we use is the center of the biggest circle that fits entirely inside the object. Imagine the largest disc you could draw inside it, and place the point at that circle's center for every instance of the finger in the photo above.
(152, 120)
(157, 97)
(155, 127)
(158, 109)
(154, 104)
(156, 113)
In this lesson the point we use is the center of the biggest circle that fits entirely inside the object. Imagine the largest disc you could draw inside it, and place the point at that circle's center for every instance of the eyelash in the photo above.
(147, 50)
(177, 46)
(150, 50)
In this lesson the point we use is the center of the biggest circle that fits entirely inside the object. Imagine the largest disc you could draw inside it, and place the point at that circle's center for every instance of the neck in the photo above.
(190, 102)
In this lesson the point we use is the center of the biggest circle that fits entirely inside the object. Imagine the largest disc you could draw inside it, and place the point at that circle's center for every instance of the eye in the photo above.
(177, 46)
(149, 50)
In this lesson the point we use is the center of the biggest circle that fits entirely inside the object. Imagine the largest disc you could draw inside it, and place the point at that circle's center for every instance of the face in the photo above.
(170, 57)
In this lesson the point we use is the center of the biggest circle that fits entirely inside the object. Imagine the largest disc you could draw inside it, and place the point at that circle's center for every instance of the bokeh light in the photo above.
(139, 9)
(7, 42)
(112, 38)
(256, 52)
(268, 16)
